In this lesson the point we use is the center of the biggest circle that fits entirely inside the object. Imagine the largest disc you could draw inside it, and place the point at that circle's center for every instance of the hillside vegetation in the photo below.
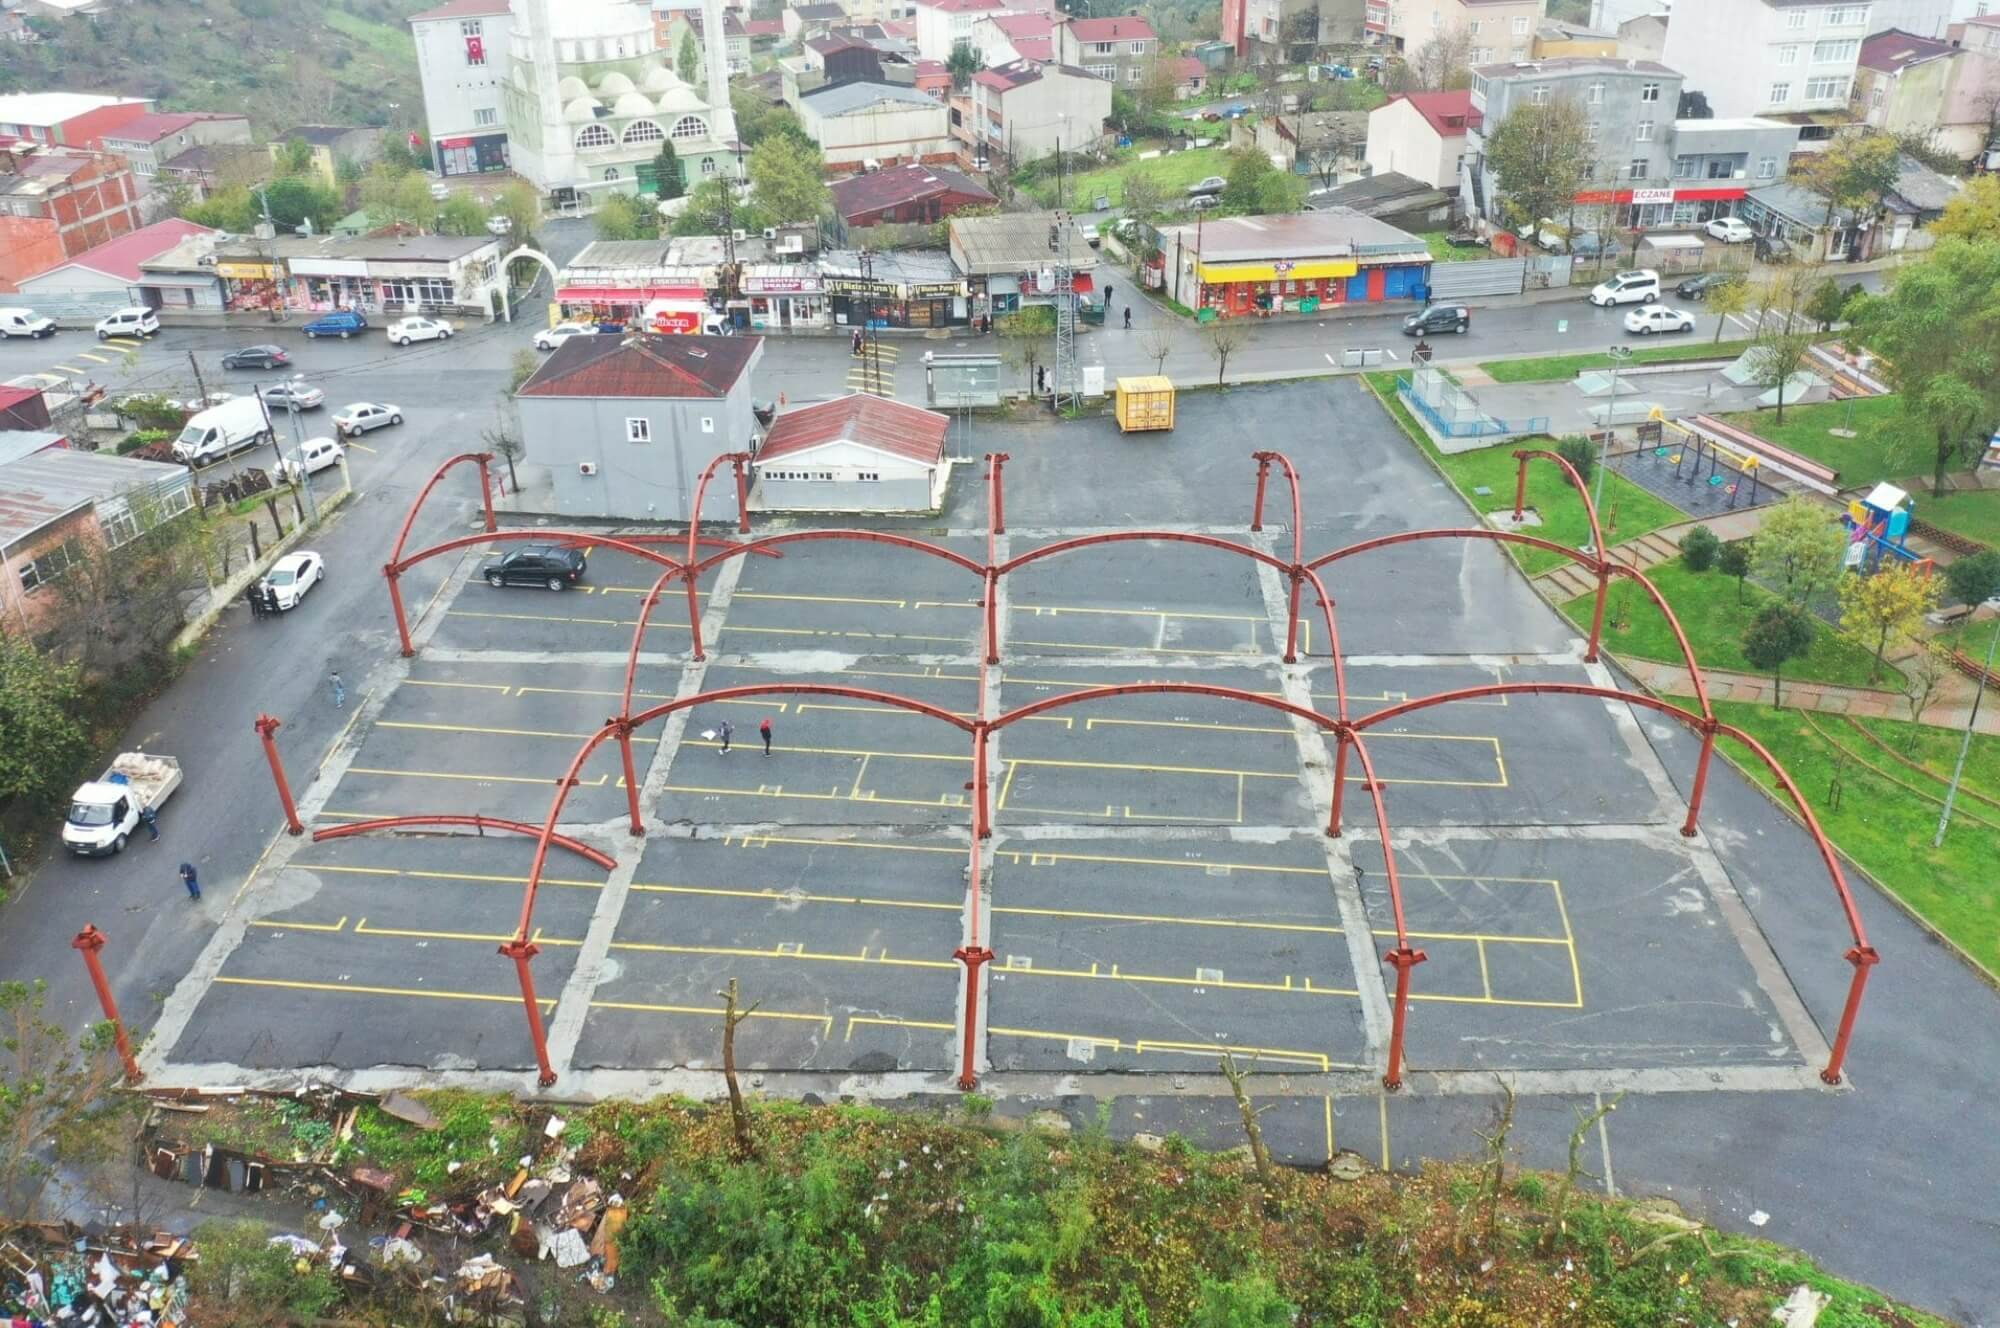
(283, 62)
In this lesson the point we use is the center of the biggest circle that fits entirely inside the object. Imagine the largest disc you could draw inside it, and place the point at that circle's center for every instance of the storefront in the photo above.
(1644, 209)
(1303, 287)
(784, 297)
(858, 302)
(321, 284)
(1250, 267)
(472, 155)
(250, 284)
(615, 306)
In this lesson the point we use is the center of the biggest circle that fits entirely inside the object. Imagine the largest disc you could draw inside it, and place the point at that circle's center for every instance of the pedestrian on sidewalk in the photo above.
(1041, 380)
(151, 820)
(256, 597)
(339, 690)
(1107, 295)
(855, 345)
(724, 731)
(764, 730)
(1128, 318)
(188, 879)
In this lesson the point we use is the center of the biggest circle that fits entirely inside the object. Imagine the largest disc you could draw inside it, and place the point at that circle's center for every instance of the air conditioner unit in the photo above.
(1740, 175)
(586, 467)
(770, 232)
(792, 244)
(739, 236)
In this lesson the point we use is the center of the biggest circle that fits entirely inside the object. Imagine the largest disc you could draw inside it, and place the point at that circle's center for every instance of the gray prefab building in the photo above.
(627, 423)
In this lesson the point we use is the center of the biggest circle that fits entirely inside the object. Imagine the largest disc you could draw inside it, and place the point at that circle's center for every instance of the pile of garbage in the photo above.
(58, 1274)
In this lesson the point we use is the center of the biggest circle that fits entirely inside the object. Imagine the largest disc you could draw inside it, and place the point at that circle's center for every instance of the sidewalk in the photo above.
(1859, 702)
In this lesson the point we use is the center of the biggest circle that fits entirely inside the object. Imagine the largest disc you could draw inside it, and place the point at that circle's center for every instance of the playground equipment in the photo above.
(1880, 524)
(1687, 448)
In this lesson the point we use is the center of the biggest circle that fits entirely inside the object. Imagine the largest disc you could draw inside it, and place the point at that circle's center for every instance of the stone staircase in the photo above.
(1649, 550)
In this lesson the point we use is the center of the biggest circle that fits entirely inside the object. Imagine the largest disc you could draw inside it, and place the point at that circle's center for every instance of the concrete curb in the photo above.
(225, 595)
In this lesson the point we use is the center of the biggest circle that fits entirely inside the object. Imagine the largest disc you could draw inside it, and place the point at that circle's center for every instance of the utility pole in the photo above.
(871, 361)
(1619, 354)
(1066, 388)
(1958, 770)
(200, 389)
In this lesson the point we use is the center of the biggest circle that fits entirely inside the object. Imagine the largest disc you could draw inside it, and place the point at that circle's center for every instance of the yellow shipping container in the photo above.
(1145, 403)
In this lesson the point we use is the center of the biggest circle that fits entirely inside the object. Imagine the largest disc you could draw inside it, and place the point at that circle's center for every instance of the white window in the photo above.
(1644, 133)
(1819, 88)
(1590, 132)
(642, 131)
(1595, 96)
(1797, 18)
(638, 429)
(1138, 48)
(690, 126)
(708, 424)
(1684, 168)
(485, 115)
(1649, 92)
(1835, 52)
(1107, 72)
(471, 32)
(1102, 48)
(594, 138)
(1638, 168)
(417, 290)
(1132, 73)
(708, 165)
(1846, 15)
(869, 475)
(1539, 96)
(51, 564)
(1481, 54)
(1780, 93)
(1521, 27)
(1788, 55)
(1474, 27)
(1767, 168)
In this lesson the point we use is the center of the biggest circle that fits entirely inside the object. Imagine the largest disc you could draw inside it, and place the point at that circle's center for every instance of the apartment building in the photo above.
(944, 24)
(1117, 49)
(68, 119)
(1023, 110)
(83, 198)
(153, 140)
(1497, 29)
(1939, 92)
(1421, 135)
(462, 59)
(1793, 58)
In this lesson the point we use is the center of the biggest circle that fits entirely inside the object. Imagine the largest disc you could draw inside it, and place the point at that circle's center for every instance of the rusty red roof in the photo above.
(643, 364)
(1129, 27)
(867, 421)
(1449, 113)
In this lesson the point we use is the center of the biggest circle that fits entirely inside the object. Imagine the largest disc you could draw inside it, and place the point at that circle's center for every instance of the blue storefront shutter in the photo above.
(1357, 286)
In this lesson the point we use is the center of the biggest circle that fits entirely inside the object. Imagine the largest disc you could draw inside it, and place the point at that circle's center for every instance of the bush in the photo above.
(1974, 578)
(1699, 548)
(139, 438)
(1580, 453)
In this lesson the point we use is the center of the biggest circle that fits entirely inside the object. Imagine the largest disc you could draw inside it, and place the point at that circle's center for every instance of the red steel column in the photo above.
(1597, 612)
(1405, 959)
(742, 494)
(486, 490)
(394, 576)
(992, 615)
(267, 728)
(1263, 477)
(694, 614)
(1339, 782)
(1700, 777)
(87, 943)
(972, 954)
(521, 952)
(624, 727)
(982, 813)
(1863, 957)
(1298, 578)
(999, 492)
(1520, 489)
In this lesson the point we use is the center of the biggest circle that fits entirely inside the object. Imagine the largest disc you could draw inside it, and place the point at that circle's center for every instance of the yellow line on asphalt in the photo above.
(549, 781)
(299, 926)
(876, 1022)
(94, 359)
(351, 988)
(788, 897)
(642, 1007)
(362, 928)
(499, 687)
(476, 878)
(475, 728)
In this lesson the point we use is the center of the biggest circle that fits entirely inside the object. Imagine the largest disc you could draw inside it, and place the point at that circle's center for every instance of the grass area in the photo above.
(1555, 368)
(1974, 514)
(852, 1215)
(1173, 172)
(1706, 604)
(1884, 446)
(1444, 251)
(1888, 829)
(1560, 507)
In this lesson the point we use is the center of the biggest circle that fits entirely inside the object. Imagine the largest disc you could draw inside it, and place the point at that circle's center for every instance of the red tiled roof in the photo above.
(902, 27)
(1186, 67)
(886, 426)
(931, 69)
(1014, 74)
(121, 257)
(1890, 50)
(963, 6)
(765, 27)
(1441, 108)
(1024, 25)
(156, 125)
(643, 364)
(1130, 27)
(462, 9)
(858, 195)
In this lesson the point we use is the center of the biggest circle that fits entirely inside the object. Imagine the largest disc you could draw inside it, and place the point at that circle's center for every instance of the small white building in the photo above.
(1769, 57)
(1024, 110)
(858, 453)
(1421, 135)
(462, 48)
(886, 124)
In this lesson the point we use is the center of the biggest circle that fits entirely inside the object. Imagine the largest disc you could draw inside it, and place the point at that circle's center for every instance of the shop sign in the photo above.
(454, 142)
(935, 290)
(858, 286)
(779, 285)
(1652, 195)
(677, 322)
(1282, 266)
(246, 271)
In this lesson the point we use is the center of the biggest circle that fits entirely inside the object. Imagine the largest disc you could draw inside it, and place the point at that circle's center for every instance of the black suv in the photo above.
(1697, 288)
(1438, 318)
(536, 565)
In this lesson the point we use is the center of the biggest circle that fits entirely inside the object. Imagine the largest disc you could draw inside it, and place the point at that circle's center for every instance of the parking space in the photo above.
(869, 599)
(1139, 597)
(597, 614)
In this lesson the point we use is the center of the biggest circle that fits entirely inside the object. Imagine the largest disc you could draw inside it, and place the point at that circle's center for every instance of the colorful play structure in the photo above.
(1676, 444)
(1880, 524)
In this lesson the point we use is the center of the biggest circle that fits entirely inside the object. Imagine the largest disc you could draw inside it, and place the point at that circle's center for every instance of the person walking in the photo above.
(1107, 295)
(1128, 318)
(854, 346)
(188, 879)
(725, 730)
(764, 731)
(339, 690)
(151, 820)
(256, 597)
(1041, 380)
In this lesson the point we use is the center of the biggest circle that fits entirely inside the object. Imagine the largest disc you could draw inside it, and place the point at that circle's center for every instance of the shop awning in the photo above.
(246, 271)
(624, 294)
(1308, 270)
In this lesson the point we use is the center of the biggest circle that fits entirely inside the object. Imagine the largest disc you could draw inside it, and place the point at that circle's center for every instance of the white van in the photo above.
(1641, 286)
(134, 322)
(25, 323)
(217, 432)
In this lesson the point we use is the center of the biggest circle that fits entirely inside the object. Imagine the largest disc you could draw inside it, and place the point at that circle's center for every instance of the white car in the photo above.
(440, 190)
(286, 395)
(133, 322)
(363, 416)
(1090, 235)
(405, 330)
(293, 575)
(314, 455)
(551, 337)
(1730, 230)
(499, 225)
(1641, 286)
(1653, 318)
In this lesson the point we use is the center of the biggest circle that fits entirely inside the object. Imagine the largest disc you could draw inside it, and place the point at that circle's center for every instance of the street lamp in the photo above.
(1619, 355)
(1958, 770)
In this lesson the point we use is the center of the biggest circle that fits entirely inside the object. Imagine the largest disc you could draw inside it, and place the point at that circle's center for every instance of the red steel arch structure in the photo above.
(1299, 572)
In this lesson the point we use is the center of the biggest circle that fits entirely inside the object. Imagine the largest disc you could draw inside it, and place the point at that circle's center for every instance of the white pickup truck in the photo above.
(104, 813)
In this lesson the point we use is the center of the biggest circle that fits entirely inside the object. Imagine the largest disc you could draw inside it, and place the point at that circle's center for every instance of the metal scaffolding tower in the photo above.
(1066, 387)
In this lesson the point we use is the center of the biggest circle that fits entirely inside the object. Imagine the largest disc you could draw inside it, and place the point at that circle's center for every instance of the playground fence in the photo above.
(1452, 412)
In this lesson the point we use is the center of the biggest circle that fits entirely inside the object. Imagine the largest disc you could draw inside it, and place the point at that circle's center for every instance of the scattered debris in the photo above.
(1801, 1308)
(406, 1108)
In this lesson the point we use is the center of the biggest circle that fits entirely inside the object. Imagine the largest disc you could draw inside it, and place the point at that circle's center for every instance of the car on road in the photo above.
(405, 330)
(1653, 318)
(257, 357)
(1204, 202)
(1730, 230)
(499, 225)
(342, 323)
(1090, 234)
(363, 416)
(1438, 318)
(314, 455)
(550, 565)
(293, 575)
(25, 323)
(440, 190)
(551, 337)
(1640, 286)
(133, 322)
(293, 394)
(1214, 184)
(1697, 287)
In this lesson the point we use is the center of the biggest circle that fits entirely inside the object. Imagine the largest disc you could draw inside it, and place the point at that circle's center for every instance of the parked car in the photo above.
(440, 190)
(1698, 287)
(314, 455)
(1214, 184)
(551, 337)
(25, 323)
(1640, 286)
(1204, 202)
(293, 575)
(1730, 230)
(405, 330)
(1090, 235)
(293, 395)
(1590, 244)
(342, 323)
(549, 565)
(363, 416)
(134, 322)
(1653, 318)
(256, 357)
(1438, 318)
(107, 811)
(499, 225)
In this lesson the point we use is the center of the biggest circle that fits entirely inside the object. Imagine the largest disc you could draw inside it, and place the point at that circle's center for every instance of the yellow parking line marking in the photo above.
(832, 795)
(357, 443)
(511, 998)
(362, 928)
(594, 691)
(1166, 980)
(548, 782)
(499, 687)
(804, 706)
(475, 878)
(786, 896)
(1121, 649)
(70, 368)
(1071, 610)
(1142, 1046)
(1382, 1097)
(1485, 978)
(877, 1022)
(123, 343)
(474, 728)
(299, 926)
(1328, 1099)
(543, 617)
(643, 1007)
(811, 956)
(94, 359)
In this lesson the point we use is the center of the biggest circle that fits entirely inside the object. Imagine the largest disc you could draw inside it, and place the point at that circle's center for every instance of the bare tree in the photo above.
(1585, 1123)
(1259, 1152)
(1442, 64)
(739, 1113)
(504, 443)
(1225, 338)
(1158, 343)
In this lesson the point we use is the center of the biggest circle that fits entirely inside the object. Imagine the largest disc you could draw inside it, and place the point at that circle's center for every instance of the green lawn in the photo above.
(1888, 829)
(1559, 505)
(1554, 368)
(1173, 173)
(1974, 514)
(1883, 446)
(1444, 251)
(1706, 605)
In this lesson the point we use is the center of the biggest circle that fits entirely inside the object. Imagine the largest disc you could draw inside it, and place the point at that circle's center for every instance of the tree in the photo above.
(1798, 548)
(1226, 336)
(1938, 332)
(1974, 578)
(392, 195)
(518, 202)
(1158, 343)
(1776, 356)
(1159, 86)
(42, 734)
(48, 1082)
(1728, 300)
(505, 443)
(1540, 155)
(1779, 633)
(294, 201)
(623, 217)
(667, 182)
(461, 214)
(687, 60)
(1025, 333)
(1853, 173)
(295, 157)
(1923, 673)
(785, 180)
(1255, 186)
(1828, 303)
(1699, 548)
(1734, 559)
(711, 205)
(963, 62)
(1140, 194)
(1974, 214)
(1886, 605)
(1442, 64)
(1581, 454)
(394, 153)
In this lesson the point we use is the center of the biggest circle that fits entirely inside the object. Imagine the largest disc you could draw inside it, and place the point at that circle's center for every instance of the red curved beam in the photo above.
(1687, 648)
(1326, 608)
(863, 536)
(396, 554)
(401, 565)
(1298, 504)
(1126, 536)
(1033, 708)
(1403, 957)
(1526, 455)
(804, 689)
(1687, 717)
(1408, 536)
(701, 493)
(639, 636)
(481, 822)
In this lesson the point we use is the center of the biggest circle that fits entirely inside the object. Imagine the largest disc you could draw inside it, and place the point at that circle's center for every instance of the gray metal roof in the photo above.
(1013, 241)
(41, 488)
(843, 98)
(1328, 232)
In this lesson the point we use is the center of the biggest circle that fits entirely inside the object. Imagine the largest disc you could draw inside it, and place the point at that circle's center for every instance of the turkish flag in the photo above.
(475, 50)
